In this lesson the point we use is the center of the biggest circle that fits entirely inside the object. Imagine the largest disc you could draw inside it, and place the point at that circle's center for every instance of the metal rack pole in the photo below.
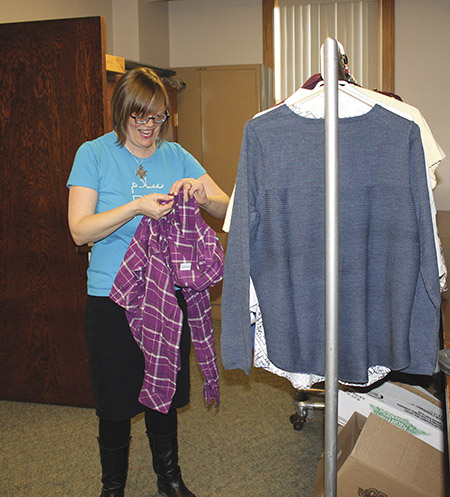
(331, 265)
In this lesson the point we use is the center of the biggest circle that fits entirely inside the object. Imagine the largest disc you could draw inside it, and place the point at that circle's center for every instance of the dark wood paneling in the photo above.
(51, 100)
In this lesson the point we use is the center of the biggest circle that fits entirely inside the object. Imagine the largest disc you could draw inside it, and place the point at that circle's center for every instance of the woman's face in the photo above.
(141, 138)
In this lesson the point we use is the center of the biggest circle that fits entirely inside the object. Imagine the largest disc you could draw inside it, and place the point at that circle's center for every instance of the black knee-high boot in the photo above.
(114, 469)
(165, 464)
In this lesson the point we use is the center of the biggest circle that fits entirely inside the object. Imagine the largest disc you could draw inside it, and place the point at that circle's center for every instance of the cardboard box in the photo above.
(407, 407)
(378, 459)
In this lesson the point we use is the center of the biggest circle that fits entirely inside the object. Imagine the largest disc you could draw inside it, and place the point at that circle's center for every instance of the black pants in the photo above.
(117, 364)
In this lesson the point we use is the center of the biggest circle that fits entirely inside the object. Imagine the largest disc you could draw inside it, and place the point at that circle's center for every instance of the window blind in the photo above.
(300, 29)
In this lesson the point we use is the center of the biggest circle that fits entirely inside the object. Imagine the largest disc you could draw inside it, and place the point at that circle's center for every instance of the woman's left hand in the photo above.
(191, 188)
(207, 194)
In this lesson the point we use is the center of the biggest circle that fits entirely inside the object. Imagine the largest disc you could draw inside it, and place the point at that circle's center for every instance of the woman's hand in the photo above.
(206, 192)
(191, 188)
(87, 226)
(155, 205)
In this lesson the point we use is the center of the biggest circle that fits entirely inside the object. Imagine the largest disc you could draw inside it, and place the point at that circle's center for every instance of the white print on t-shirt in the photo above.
(143, 184)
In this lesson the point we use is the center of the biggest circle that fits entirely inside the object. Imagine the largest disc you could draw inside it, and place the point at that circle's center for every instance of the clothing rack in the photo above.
(330, 72)
(332, 69)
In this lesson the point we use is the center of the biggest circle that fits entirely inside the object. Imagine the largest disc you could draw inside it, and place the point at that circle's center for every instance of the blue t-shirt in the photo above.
(108, 167)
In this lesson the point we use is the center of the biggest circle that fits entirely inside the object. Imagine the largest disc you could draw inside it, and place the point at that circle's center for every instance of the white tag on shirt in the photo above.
(185, 266)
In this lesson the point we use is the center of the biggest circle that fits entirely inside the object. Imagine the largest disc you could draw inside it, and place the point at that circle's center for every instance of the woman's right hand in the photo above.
(155, 205)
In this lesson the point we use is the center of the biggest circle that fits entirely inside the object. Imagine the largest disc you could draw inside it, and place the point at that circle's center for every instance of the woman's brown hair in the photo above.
(139, 92)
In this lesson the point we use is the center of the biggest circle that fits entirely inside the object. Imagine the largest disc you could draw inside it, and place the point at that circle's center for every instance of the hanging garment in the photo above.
(178, 250)
(433, 157)
(355, 103)
(433, 152)
(389, 312)
(347, 107)
(300, 381)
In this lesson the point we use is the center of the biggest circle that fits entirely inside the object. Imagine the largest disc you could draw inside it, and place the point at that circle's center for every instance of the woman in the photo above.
(115, 180)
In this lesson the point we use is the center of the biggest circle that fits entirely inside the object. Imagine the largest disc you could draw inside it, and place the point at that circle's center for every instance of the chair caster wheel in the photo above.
(298, 426)
(297, 422)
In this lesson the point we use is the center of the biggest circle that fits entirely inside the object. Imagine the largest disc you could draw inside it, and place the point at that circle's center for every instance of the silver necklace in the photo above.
(140, 171)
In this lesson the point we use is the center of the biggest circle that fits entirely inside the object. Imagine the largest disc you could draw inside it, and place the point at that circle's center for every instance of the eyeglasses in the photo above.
(158, 119)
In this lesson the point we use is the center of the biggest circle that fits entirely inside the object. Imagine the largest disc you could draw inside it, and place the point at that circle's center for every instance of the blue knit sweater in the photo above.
(389, 296)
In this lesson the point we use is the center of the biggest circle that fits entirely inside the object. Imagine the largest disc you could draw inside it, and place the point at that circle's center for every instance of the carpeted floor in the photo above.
(247, 448)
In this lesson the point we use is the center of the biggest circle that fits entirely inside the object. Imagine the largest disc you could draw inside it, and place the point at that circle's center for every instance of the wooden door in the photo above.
(230, 97)
(213, 109)
(51, 99)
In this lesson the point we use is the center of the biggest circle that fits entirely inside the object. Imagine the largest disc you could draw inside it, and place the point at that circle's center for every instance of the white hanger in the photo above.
(302, 95)
(364, 95)
(311, 103)
(399, 108)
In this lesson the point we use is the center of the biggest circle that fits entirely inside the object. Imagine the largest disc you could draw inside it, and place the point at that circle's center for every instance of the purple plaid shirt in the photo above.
(177, 250)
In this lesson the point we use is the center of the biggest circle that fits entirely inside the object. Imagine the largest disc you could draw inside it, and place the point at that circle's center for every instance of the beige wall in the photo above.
(154, 33)
(422, 73)
(125, 29)
(141, 31)
(215, 32)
